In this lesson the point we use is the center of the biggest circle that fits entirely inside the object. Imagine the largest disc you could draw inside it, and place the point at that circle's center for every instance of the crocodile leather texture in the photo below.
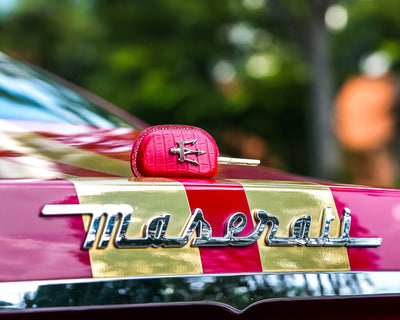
(174, 151)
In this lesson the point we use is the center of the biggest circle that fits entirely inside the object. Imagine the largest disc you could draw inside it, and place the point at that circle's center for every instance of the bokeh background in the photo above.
(308, 86)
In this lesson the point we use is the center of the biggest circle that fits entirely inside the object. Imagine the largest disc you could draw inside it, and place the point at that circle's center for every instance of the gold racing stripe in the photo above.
(149, 198)
(289, 201)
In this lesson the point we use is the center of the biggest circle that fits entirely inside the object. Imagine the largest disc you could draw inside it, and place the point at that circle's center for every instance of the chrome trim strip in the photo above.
(238, 291)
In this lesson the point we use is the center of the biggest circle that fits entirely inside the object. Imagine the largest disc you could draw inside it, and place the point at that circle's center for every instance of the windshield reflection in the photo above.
(28, 95)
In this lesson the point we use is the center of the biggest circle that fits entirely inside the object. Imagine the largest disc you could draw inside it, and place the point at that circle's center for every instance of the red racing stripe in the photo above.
(375, 213)
(218, 201)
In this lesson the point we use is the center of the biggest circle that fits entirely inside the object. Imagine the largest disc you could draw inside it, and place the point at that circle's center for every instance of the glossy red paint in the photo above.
(112, 142)
(115, 143)
(33, 247)
(259, 173)
(219, 199)
(375, 213)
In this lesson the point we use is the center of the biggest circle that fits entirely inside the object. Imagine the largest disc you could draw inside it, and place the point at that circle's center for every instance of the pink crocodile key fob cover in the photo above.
(174, 151)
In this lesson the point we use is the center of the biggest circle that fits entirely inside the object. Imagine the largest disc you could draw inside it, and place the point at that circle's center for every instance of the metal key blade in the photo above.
(238, 161)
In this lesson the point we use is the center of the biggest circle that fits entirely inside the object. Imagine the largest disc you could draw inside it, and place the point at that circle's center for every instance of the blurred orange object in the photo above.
(364, 106)
(366, 127)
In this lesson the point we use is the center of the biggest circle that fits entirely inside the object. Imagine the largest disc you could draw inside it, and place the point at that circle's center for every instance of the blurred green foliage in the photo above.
(215, 64)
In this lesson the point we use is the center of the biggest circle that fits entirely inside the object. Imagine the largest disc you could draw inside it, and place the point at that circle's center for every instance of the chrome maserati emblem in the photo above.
(154, 231)
(181, 151)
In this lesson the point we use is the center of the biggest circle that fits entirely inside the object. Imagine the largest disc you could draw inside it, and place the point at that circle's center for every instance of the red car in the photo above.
(91, 228)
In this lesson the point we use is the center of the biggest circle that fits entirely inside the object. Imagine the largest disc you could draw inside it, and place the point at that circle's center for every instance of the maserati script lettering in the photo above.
(154, 231)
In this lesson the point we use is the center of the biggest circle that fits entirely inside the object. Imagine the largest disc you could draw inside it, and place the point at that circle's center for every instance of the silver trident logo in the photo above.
(181, 151)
